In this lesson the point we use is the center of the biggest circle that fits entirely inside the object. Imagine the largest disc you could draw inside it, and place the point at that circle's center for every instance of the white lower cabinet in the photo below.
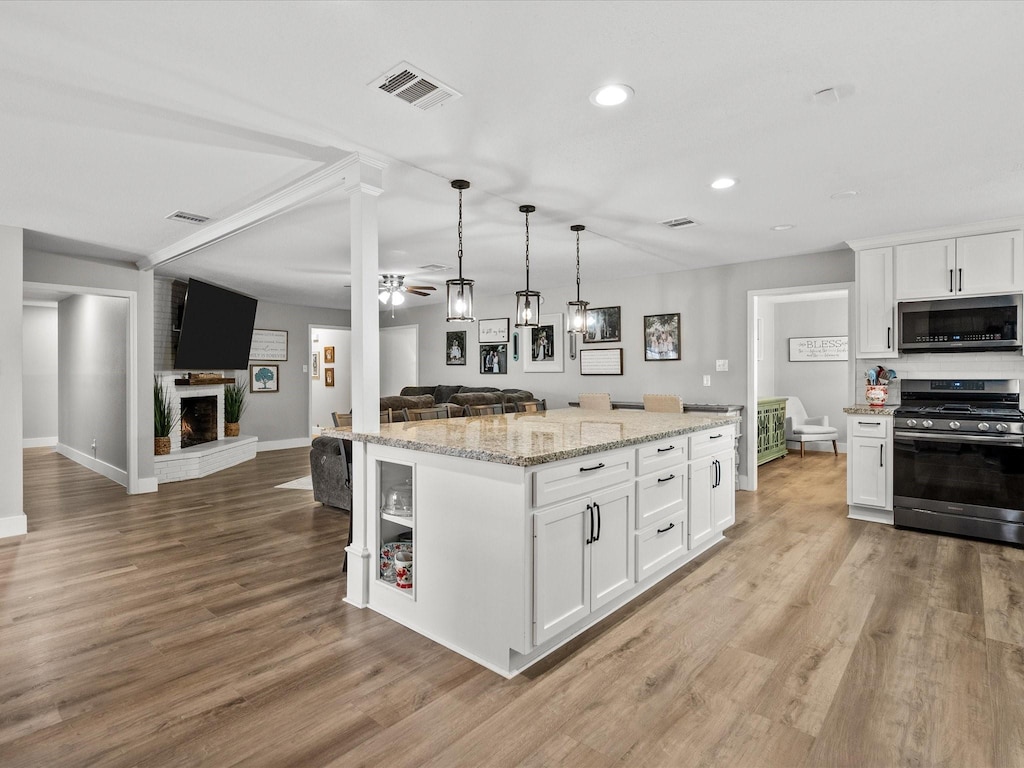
(660, 544)
(583, 558)
(869, 462)
(712, 503)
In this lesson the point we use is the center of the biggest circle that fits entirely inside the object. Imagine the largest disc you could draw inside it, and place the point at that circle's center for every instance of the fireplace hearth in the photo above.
(198, 420)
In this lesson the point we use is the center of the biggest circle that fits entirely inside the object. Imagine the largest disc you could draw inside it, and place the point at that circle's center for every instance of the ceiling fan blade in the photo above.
(421, 287)
(418, 293)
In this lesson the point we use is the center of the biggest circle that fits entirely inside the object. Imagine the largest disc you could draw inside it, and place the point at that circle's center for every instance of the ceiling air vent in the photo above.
(679, 223)
(435, 268)
(189, 218)
(415, 86)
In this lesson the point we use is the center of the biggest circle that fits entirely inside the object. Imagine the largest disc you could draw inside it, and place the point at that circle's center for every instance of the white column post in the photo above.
(13, 521)
(363, 184)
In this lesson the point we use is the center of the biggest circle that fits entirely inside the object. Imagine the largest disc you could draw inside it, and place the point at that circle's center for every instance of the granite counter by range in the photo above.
(526, 529)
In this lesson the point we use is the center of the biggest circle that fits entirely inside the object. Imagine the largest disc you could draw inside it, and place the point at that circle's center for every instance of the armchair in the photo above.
(801, 428)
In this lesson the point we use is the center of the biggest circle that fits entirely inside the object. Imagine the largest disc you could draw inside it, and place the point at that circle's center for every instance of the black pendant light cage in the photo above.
(577, 324)
(527, 301)
(460, 290)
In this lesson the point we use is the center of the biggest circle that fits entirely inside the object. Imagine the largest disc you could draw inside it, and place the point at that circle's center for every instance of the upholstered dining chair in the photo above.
(801, 428)
(596, 401)
(426, 414)
(663, 403)
(531, 406)
(491, 409)
(342, 419)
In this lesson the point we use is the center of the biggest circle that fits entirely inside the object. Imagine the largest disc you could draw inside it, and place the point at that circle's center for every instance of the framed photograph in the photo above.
(263, 378)
(815, 349)
(601, 362)
(494, 358)
(662, 337)
(268, 345)
(328, 377)
(315, 366)
(543, 352)
(455, 348)
(603, 324)
(494, 331)
(328, 354)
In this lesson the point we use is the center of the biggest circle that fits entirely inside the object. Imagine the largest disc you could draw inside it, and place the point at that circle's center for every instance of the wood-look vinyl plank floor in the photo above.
(205, 626)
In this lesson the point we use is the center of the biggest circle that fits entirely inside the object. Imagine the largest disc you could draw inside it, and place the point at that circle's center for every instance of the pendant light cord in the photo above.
(527, 251)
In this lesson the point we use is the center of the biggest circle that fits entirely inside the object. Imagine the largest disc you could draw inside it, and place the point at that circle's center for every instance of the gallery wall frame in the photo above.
(455, 348)
(263, 377)
(268, 344)
(315, 366)
(601, 362)
(603, 325)
(328, 377)
(543, 351)
(328, 354)
(818, 349)
(493, 358)
(662, 337)
(493, 331)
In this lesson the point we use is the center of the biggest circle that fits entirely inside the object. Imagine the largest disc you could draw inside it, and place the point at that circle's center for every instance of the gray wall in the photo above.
(93, 348)
(821, 386)
(712, 304)
(39, 399)
(12, 515)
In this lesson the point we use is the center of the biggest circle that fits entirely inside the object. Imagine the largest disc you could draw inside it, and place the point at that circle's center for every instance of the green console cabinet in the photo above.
(771, 429)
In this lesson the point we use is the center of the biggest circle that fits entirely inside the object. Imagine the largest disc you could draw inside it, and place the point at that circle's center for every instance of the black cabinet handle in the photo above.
(718, 473)
(591, 469)
(670, 448)
(590, 538)
(598, 508)
(951, 281)
(666, 479)
(960, 278)
(881, 455)
(888, 337)
(715, 437)
(670, 527)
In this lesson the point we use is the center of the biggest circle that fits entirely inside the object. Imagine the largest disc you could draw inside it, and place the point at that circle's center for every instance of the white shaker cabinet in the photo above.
(712, 497)
(876, 306)
(965, 266)
(869, 463)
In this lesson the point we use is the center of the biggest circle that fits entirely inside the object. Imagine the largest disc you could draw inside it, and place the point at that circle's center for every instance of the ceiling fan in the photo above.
(393, 288)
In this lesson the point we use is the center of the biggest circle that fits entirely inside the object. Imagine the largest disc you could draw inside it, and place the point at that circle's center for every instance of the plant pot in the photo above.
(876, 395)
(231, 429)
(161, 446)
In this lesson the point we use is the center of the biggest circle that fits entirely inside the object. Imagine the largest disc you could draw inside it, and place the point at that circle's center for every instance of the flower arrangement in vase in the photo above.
(878, 379)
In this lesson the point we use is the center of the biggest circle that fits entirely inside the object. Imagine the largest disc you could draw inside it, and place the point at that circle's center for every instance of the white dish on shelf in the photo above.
(397, 512)
(387, 558)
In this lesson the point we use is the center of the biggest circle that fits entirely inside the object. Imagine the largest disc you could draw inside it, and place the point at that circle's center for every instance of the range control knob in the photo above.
(1001, 427)
(983, 426)
(954, 425)
(911, 422)
(927, 423)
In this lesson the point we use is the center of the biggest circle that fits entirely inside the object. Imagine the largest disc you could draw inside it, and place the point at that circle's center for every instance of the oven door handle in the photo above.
(1010, 441)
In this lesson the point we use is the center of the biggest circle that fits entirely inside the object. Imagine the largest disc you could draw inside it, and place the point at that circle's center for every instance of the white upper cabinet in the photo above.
(876, 327)
(965, 266)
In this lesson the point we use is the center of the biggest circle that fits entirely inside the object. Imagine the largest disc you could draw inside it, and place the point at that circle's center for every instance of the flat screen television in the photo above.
(216, 328)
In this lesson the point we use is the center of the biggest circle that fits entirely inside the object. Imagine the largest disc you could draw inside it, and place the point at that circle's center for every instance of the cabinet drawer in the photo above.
(660, 544)
(711, 441)
(660, 494)
(869, 426)
(581, 477)
(663, 454)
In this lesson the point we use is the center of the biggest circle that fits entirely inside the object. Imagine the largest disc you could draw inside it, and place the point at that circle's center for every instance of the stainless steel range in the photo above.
(959, 458)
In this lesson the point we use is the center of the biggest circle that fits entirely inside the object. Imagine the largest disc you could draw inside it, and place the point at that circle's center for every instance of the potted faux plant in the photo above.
(234, 405)
(163, 418)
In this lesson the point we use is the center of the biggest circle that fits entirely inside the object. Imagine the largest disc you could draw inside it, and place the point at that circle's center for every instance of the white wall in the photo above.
(12, 515)
(713, 307)
(39, 398)
(820, 385)
(92, 352)
(326, 400)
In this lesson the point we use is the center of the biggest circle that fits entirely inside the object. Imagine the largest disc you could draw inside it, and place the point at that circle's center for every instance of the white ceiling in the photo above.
(113, 115)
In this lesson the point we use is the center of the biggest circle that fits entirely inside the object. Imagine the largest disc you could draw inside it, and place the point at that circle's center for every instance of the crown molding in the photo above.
(940, 233)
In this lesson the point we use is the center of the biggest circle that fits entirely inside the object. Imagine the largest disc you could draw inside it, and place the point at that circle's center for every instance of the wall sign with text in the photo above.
(811, 349)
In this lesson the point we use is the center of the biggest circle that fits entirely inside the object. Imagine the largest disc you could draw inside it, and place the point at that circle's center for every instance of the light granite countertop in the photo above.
(528, 439)
(866, 410)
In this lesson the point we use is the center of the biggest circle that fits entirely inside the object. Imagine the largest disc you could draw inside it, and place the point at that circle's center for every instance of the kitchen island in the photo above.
(526, 529)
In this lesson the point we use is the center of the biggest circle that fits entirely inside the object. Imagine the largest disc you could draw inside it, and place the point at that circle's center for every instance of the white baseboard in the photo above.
(119, 476)
(39, 442)
(15, 525)
(280, 445)
(145, 485)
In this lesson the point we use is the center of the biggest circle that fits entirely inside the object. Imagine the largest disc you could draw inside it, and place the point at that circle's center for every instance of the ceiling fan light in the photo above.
(383, 296)
(397, 298)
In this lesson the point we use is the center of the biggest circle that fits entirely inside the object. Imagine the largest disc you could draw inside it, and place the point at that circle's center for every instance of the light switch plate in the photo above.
(721, 365)
(305, 369)
(707, 380)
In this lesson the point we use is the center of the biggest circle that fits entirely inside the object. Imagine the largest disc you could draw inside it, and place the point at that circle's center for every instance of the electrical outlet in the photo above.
(707, 380)
(721, 365)
(305, 369)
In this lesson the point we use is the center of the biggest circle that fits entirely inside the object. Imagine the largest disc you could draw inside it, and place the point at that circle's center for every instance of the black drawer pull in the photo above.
(666, 479)
(670, 448)
(670, 527)
(869, 423)
(715, 437)
(591, 469)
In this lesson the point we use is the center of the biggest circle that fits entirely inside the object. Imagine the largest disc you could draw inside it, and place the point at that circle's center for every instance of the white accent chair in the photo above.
(801, 428)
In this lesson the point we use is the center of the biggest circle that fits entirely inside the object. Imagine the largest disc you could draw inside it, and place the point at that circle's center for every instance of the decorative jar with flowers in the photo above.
(878, 379)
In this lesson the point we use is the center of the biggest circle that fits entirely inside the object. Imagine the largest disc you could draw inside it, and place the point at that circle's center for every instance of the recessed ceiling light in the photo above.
(782, 227)
(723, 183)
(611, 95)
(844, 194)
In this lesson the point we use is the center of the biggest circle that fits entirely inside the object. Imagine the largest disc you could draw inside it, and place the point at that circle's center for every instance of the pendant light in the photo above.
(578, 308)
(460, 291)
(527, 301)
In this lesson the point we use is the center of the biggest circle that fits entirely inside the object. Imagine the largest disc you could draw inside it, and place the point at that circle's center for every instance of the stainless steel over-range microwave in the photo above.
(976, 324)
